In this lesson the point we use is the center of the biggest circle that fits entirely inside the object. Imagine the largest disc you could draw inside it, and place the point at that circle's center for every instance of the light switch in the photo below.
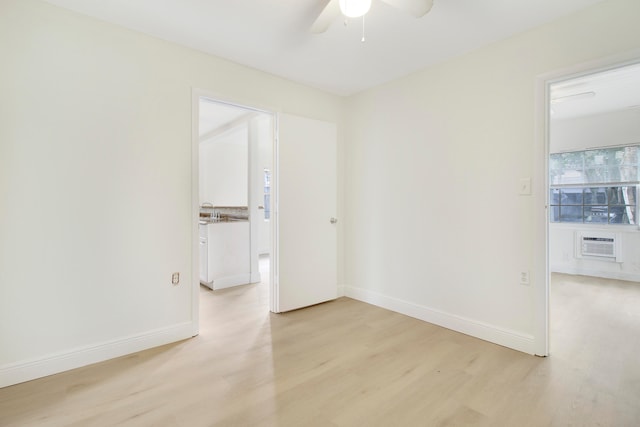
(525, 187)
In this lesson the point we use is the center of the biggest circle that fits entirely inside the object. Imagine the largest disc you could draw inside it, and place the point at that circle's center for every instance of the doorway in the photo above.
(298, 193)
(234, 147)
(593, 234)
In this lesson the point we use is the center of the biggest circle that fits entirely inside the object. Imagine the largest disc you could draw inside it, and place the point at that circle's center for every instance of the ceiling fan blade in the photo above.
(416, 8)
(326, 17)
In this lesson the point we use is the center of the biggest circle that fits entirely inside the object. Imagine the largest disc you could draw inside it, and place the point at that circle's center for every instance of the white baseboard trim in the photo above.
(474, 328)
(341, 290)
(256, 277)
(230, 281)
(617, 275)
(19, 372)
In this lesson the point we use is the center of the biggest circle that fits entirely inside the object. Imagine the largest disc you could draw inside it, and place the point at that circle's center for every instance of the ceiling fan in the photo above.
(357, 8)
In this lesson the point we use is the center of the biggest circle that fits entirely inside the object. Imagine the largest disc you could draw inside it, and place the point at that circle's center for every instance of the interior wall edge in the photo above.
(23, 371)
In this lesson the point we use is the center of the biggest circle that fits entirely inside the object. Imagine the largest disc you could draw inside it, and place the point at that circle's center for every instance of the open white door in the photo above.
(307, 193)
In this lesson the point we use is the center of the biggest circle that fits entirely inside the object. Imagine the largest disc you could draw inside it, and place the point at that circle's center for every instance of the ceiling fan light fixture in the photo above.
(354, 8)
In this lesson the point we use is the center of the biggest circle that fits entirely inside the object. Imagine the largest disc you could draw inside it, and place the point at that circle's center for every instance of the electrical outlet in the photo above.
(524, 278)
(175, 279)
(524, 188)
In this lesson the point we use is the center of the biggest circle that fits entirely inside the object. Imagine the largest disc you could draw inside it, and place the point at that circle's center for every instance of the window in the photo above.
(267, 194)
(594, 186)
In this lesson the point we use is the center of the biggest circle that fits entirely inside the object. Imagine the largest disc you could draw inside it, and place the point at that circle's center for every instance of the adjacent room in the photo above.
(235, 158)
(594, 237)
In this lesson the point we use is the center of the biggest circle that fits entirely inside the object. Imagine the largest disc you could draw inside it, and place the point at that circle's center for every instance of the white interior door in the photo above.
(307, 193)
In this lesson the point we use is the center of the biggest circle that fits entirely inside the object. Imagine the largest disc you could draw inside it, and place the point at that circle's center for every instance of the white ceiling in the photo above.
(273, 36)
(603, 92)
(612, 90)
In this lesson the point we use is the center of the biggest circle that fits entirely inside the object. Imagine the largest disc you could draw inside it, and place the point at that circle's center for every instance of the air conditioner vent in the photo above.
(602, 246)
(598, 246)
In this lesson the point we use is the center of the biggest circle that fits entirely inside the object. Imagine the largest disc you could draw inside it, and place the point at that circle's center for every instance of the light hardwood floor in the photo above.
(346, 363)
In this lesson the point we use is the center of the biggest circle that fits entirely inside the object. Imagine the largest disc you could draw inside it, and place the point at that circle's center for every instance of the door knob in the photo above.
(333, 220)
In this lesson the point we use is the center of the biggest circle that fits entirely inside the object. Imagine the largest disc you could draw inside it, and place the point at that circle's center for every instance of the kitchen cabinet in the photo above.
(225, 254)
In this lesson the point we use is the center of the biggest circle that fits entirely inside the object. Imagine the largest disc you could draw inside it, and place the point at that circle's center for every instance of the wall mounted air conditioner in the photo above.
(598, 246)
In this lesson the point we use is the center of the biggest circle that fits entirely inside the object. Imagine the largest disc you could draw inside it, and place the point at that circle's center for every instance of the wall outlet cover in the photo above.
(524, 188)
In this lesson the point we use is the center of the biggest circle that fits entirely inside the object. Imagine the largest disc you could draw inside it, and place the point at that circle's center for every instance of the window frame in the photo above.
(581, 178)
(584, 204)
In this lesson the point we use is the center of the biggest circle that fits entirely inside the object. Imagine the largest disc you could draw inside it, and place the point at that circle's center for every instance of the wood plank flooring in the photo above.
(346, 363)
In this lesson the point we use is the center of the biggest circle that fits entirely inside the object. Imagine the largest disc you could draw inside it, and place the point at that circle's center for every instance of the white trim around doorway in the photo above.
(540, 280)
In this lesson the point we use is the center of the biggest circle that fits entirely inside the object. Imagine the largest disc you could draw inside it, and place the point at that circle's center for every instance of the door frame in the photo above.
(196, 94)
(541, 183)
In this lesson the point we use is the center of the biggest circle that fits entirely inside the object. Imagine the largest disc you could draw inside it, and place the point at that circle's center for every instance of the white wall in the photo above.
(95, 183)
(601, 130)
(224, 169)
(435, 226)
(563, 257)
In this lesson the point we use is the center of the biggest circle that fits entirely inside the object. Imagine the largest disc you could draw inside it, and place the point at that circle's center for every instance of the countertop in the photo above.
(221, 221)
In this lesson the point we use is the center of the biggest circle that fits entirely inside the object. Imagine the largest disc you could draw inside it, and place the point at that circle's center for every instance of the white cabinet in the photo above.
(204, 255)
(227, 254)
